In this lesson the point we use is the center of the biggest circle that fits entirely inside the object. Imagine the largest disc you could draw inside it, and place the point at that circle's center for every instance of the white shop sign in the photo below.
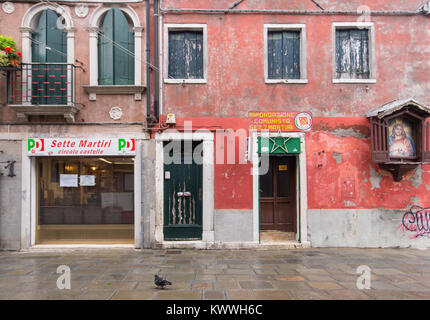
(80, 146)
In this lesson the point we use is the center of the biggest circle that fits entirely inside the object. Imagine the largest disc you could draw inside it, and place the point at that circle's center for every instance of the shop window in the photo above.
(85, 199)
(116, 50)
(400, 136)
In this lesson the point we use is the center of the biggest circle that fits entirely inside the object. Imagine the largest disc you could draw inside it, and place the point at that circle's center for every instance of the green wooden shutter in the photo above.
(50, 46)
(352, 53)
(290, 55)
(123, 59)
(186, 55)
(194, 55)
(359, 53)
(55, 39)
(274, 55)
(283, 54)
(177, 55)
(343, 48)
(116, 50)
(105, 50)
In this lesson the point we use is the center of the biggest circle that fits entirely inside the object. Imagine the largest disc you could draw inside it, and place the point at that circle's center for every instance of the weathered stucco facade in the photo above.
(94, 120)
(342, 198)
(350, 200)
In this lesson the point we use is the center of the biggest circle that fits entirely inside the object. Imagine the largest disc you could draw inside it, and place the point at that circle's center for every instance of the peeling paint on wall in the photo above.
(375, 178)
(338, 157)
(417, 177)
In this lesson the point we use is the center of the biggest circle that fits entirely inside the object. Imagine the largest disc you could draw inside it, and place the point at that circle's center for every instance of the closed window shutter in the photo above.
(49, 46)
(105, 56)
(275, 55)
(352, 53)
(194, 55)
(55, 39)
(116, 50)
(284, 55)
(343, 49)
(359, 53)
(185, 55)
(291, 55)
(124, 53)
(177, 55)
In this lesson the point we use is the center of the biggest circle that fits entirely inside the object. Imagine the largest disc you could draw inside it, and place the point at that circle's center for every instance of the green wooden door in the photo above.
(182, 193)
(49, 47)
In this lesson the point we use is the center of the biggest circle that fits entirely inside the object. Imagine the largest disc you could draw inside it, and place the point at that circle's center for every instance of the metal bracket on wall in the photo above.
(11, 166)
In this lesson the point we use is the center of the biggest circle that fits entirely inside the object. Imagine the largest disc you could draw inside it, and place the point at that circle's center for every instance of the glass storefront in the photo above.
(85, 200)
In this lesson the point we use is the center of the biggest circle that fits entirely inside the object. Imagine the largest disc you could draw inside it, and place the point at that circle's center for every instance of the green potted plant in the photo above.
(9, 55)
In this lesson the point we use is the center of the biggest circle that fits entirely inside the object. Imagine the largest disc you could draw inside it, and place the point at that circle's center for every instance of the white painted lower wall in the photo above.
(362, 228)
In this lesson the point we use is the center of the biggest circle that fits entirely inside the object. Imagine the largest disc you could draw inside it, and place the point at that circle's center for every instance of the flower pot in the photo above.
(14, 62)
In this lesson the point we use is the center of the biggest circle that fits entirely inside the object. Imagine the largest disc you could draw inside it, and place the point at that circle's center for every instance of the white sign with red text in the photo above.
(81, 146)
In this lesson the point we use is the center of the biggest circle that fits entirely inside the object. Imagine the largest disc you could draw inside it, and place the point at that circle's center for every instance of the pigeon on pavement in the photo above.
(160, 282)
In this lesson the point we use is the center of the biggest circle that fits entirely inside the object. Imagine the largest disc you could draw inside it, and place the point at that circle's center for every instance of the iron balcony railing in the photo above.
(42, 84)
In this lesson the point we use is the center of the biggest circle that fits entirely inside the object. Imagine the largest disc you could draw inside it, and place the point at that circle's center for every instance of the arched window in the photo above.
(49, 56)
(115, 50)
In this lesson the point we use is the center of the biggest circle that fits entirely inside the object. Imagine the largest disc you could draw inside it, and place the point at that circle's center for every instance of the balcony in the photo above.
(42, 89)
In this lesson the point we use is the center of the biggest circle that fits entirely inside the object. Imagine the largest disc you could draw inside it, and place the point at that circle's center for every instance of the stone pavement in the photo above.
(216, 274)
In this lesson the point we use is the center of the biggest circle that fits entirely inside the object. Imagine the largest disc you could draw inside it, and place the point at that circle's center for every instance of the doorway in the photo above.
(183, 190)
(278, 195)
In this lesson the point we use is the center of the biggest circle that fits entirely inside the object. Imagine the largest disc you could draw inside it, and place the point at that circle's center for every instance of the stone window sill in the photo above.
(93, 91)
(286, 81)
(354, 80)
(181, 81)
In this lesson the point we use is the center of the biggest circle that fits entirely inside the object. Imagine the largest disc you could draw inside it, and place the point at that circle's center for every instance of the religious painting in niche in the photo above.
(401, 141)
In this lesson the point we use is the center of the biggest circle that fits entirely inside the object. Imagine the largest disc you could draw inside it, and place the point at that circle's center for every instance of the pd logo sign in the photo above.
(126, 145)
(36, 145)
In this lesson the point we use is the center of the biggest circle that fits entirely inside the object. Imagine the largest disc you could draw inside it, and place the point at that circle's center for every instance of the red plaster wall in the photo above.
(236, 85)
(236, 62)
(327, 176)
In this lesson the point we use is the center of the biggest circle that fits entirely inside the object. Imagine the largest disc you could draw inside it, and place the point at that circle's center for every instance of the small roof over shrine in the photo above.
(396, 105)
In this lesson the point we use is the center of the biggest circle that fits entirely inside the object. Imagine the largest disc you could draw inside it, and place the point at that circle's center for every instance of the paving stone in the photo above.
(173, 295)
(214, 295)
(96, 295)
(241, 295)
(284, 278)
(226, 284)
(201, 285)
(272, 295)
(349, 294)
(309, 295)
(255, 284)
(324, 285)
(132, 295)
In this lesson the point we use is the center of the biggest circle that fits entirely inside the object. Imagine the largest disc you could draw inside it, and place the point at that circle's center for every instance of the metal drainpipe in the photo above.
(148, 68)
(156, 62)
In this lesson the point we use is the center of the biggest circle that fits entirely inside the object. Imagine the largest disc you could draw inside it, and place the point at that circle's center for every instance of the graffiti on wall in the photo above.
(417, 220)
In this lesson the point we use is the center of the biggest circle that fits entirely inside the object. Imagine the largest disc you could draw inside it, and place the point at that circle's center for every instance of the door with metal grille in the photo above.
(183, 175)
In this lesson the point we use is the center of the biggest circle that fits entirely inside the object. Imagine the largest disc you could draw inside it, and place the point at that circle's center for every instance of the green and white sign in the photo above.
(278, 145)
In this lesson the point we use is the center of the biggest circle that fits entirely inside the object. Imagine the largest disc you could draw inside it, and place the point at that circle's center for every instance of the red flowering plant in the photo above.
(9, 55)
